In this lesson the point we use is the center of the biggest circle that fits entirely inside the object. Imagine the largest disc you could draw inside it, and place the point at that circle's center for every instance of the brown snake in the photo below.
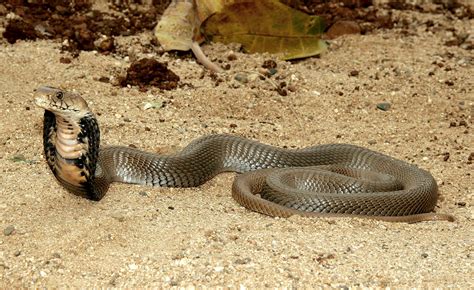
(325, 180)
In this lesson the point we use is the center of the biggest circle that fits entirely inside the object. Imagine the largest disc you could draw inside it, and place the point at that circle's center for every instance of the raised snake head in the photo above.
(61, 102)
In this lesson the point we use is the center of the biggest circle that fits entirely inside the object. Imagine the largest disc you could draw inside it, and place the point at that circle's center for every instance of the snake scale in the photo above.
(324, 180)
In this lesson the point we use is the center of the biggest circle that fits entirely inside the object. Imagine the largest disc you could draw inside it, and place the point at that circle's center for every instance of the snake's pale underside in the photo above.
(324, 180)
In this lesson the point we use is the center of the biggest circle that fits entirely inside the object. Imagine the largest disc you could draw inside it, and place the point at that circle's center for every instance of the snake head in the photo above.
(60, 102)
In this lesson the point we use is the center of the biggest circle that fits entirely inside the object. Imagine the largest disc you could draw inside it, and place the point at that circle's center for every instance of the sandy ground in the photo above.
(140, 236)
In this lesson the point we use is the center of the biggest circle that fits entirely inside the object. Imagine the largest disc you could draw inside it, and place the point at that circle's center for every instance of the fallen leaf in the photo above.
(178, 26)
(267, 26)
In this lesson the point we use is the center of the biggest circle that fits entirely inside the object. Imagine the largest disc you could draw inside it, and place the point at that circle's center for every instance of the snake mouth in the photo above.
(58, 101)
(41, 102)
(42, 96)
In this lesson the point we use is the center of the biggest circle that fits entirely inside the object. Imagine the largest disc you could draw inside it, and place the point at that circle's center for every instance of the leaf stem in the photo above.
(202, 58)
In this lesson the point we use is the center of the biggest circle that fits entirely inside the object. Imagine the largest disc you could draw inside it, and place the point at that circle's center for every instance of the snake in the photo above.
(330, 180)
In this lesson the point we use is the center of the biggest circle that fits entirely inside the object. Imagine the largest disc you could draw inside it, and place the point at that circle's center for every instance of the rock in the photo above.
(231, 56)
(354, 73)
(269, 63)
(241, 77)
(385, 106)
(9, 230)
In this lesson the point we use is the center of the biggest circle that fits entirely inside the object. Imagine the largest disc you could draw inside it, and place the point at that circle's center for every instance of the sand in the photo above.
(161, 237)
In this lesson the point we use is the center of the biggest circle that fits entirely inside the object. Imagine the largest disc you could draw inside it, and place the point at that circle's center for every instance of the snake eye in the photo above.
(59, 95)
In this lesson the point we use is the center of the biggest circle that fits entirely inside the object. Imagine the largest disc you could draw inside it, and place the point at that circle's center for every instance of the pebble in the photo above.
(65, 60)
(241, 78)
(385, 106)
(354, 73)
(269, 64)
(9, 230)
(272, 71)
(153, 105)
(231, 56)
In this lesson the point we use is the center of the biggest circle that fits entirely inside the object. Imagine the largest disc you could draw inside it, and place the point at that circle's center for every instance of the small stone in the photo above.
(171, 207)
(471, 157)
(65, 60)
(153, 105)
(133, 267)
(17, 253)
(241, 78)
(446, 156)
(105, 44)
(372, 142)
(424, 255)
(268, 64)
(385, 106)
(231, 56)
(292, 88)
(232, 125)
(354, 73)
(461, 203)
(272, 71)
(9, 230)
(449, 83)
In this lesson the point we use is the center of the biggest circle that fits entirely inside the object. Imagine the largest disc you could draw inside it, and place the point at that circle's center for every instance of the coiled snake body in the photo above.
(326, 180)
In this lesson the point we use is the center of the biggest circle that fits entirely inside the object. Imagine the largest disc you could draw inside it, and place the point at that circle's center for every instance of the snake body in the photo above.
(324, 180)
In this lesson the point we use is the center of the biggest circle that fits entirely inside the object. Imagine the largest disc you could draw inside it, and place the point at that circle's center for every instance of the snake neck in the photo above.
(71, 147)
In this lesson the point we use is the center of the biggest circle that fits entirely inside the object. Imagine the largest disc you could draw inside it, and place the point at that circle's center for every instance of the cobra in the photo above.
(334, 180)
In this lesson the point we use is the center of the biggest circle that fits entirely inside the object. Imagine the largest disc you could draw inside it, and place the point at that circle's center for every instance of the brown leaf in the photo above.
(267, 26)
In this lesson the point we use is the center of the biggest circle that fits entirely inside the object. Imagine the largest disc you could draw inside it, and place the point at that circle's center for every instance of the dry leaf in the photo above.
(178, 26)
(267, 26)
